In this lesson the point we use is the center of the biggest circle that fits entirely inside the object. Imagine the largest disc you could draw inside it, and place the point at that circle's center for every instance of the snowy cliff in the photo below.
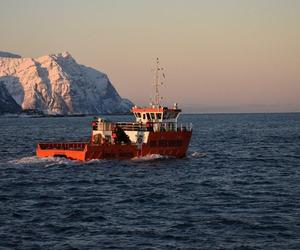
(56, 84)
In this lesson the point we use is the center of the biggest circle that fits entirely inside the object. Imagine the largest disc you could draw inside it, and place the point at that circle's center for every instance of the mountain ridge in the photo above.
(57, 84)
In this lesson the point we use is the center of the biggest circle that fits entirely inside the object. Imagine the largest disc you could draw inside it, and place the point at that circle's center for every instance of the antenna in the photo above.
(157, 82)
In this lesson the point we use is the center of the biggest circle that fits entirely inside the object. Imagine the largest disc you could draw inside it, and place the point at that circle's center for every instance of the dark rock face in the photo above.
(8, 55)
(7, 103)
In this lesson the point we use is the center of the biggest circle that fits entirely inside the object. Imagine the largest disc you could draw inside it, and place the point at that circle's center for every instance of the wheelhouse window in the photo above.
(138, 115)
(152, 116)
(148, 116)
(144, 116)
(158, 116)
(166, 116)
(172, 115)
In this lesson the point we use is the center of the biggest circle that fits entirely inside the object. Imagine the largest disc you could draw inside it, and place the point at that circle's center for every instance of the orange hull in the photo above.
(170, 143)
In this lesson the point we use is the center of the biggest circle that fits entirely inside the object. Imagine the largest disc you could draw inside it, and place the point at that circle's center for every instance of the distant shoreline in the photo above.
(7, 115)
(241, 113)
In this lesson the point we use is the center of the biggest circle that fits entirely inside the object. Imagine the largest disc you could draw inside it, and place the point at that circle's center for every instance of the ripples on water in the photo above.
(238, 188)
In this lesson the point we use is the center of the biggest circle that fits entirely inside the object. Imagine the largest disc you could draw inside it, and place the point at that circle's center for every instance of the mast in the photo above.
(157, 83)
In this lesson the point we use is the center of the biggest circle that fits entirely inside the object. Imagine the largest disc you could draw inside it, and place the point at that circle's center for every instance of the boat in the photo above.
(155, 131)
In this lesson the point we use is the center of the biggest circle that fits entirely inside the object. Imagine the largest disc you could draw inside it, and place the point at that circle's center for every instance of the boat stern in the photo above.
(70, 150)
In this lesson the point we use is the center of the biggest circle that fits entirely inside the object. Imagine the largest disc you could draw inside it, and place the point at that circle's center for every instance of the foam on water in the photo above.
(151, 157)
(198, 154)
(47, 161)
(59, 161)
(93, 161)
(51, 161)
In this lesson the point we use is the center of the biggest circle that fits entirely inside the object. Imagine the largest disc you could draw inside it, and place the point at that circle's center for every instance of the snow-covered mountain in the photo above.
(7, 103)
(57, 84)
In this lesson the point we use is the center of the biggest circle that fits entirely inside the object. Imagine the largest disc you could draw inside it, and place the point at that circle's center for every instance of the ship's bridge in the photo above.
(156, 114)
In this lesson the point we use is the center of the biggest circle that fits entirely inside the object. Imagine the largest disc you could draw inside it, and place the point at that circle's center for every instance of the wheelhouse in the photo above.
(155, 115)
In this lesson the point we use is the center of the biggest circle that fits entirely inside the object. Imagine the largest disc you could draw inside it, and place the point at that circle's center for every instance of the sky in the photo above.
(218, 55)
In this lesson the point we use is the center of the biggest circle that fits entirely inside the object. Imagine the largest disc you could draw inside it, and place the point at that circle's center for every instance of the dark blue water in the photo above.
(244, 194)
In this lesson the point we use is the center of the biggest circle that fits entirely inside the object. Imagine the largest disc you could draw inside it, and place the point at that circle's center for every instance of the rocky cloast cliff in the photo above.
(57, 84)
(7, 103)
(9, 55)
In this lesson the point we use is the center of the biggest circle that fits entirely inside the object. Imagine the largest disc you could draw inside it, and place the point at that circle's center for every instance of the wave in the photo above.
(198, 154)
(59, 161)
(151, 157)
(154, 157)
(51, 161)
(48, 161)
(93, 161)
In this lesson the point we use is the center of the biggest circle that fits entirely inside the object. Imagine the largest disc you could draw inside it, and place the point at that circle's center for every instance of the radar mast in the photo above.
(158, 70)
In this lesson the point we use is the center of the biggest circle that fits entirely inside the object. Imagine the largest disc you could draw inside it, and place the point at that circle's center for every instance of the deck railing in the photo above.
(155, 126)
(63, 145)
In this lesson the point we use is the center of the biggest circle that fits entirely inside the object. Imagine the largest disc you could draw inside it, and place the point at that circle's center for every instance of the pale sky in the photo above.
(219, 56)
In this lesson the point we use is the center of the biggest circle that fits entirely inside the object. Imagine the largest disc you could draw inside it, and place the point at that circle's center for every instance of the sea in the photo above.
(237, 188)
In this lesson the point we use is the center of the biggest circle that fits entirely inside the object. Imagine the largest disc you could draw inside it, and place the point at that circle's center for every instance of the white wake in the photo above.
(198, 154)
(151, 157)
(47, 161)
